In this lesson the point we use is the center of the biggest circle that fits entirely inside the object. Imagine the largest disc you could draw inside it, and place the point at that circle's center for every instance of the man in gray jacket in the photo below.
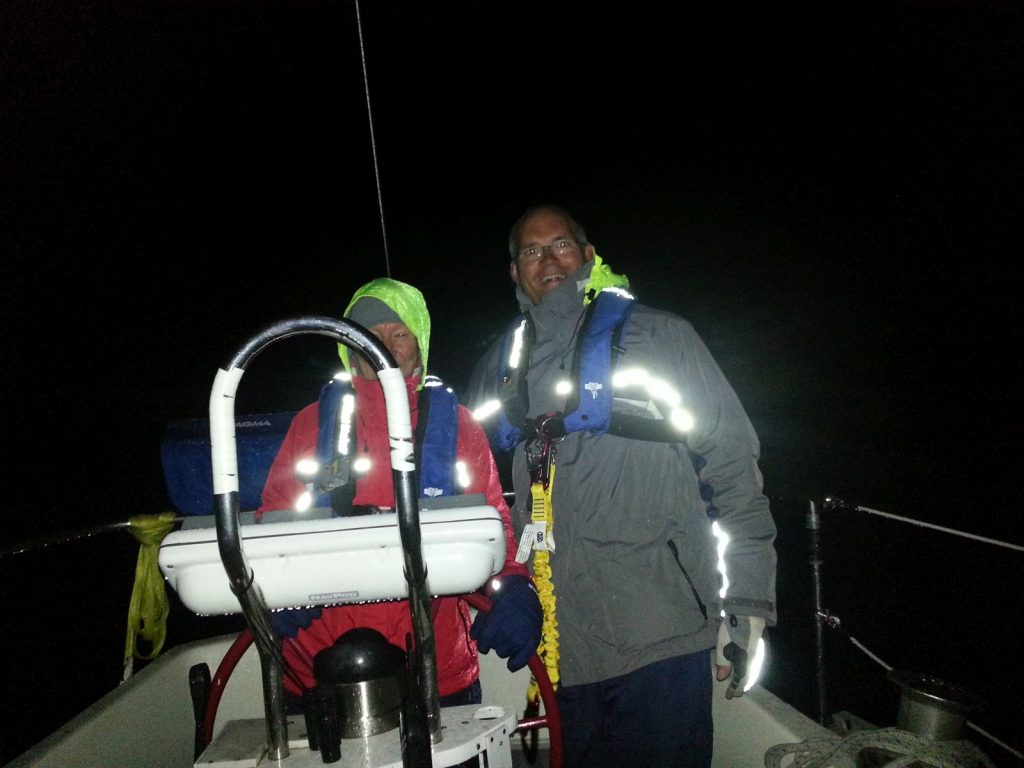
(635, 467)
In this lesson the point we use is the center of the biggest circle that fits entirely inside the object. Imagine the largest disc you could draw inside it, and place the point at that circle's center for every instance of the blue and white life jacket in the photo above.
(435, 441)
(588, 405)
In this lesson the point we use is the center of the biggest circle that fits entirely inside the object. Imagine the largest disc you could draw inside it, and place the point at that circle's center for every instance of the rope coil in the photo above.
(905, 749)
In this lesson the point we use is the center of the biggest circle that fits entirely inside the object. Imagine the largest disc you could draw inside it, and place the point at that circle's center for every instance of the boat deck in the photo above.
(149, 720)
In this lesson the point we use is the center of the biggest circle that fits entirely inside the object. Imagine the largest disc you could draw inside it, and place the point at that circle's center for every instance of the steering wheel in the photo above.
(531, 721)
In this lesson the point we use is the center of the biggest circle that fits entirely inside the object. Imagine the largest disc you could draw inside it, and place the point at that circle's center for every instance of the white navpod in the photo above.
(314, 558)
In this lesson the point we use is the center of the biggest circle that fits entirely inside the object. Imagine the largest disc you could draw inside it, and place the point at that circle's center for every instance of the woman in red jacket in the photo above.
(397, 315)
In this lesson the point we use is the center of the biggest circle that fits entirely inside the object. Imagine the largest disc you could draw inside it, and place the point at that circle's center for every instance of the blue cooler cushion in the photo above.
(188, 472)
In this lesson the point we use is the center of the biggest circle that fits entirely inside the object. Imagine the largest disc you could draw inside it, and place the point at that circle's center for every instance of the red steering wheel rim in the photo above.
(220, 679)
(550, 719)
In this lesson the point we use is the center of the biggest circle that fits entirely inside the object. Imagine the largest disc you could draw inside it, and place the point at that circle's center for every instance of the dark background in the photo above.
(829, 192)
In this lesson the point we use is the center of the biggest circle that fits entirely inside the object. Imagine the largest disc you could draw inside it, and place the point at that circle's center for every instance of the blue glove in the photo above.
(288, 622)
(512, 626)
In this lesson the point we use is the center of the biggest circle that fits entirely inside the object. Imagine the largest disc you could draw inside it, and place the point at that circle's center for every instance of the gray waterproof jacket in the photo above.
(635, 564)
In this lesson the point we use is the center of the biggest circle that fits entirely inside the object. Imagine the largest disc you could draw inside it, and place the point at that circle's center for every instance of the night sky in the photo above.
(827, 191)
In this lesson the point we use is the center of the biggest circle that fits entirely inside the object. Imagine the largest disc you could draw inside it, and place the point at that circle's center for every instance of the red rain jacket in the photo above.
(457, 663)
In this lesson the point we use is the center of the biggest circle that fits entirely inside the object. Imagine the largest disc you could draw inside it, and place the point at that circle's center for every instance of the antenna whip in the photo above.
(373, 140)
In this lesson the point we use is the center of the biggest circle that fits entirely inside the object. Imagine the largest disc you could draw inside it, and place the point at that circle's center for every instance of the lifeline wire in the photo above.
(373, 139)
(998, 543)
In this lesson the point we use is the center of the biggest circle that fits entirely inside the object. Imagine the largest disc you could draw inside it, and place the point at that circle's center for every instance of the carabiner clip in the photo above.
(546, 431)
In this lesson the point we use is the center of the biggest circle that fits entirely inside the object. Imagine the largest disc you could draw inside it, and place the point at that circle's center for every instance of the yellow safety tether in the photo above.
(541, 513)
(149, 607)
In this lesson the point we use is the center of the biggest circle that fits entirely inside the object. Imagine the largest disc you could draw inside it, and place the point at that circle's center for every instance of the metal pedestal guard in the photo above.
(422, 726)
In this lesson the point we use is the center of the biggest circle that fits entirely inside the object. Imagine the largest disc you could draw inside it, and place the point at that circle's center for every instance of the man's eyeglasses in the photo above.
(535, 252)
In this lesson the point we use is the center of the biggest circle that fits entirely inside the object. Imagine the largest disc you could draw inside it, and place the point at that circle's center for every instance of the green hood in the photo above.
(406, 302)
(601, 277)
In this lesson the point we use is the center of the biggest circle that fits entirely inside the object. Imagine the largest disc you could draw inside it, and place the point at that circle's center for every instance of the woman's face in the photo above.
(400, 343)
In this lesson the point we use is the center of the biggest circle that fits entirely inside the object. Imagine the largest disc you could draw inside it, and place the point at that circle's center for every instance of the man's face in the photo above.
(400, 343)
(548, 254)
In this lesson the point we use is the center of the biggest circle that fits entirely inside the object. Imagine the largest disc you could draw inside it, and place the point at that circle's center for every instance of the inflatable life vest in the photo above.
(588, 406)
(435, 443)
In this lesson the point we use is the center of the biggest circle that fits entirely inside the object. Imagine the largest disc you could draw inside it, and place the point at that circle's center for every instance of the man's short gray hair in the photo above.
(578, 233)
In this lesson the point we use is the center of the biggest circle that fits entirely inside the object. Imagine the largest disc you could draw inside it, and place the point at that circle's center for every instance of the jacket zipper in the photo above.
(686, 575)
